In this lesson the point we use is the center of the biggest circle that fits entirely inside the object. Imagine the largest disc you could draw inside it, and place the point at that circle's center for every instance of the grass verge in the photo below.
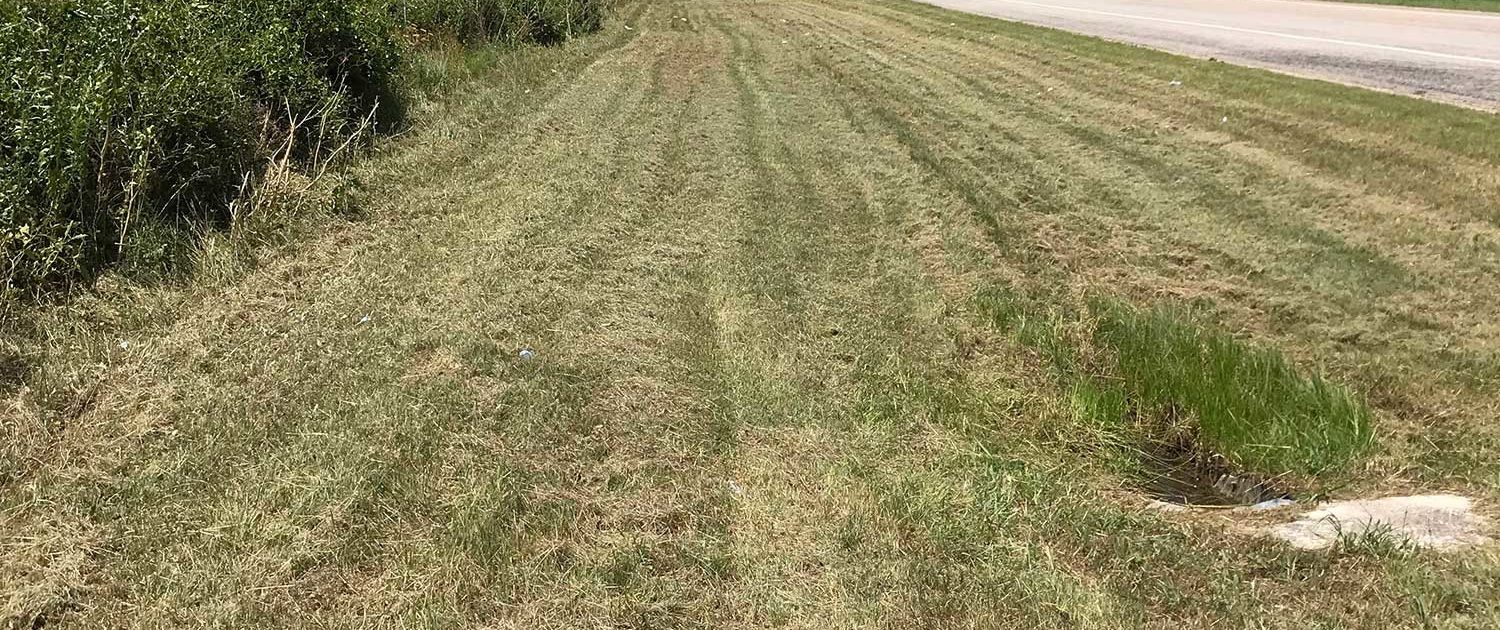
(1460, 5)
(742, 243)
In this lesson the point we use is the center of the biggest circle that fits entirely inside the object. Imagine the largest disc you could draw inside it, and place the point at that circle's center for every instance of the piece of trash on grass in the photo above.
(734, 488)
(124, 344)
(627, 27)
(364, 319)
(527, 354)
(1273, 504)
(1175, 83)
(1224, 119)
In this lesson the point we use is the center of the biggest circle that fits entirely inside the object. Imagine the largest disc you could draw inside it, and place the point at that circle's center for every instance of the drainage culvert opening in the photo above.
(1175, 469)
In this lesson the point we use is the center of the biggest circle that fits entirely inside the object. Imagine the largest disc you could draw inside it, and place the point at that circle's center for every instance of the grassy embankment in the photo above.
(1461, 5)
(846, 313)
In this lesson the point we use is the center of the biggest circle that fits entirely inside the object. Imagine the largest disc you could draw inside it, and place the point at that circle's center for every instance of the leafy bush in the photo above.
(118, 114)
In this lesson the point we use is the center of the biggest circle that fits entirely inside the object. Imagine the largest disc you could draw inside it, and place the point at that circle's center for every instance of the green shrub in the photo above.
(118, 114)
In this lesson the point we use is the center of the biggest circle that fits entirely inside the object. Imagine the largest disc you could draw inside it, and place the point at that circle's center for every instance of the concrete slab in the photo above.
(1438, 521)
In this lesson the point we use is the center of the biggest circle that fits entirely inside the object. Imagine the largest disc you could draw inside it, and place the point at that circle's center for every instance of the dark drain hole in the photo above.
(1177, 471)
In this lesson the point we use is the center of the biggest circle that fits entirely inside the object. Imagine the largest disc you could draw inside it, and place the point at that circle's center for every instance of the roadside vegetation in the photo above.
(132, 126)
(1461, 5)
(805, 313)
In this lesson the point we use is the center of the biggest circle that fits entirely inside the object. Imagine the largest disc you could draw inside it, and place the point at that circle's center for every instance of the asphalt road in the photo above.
(1452, 56)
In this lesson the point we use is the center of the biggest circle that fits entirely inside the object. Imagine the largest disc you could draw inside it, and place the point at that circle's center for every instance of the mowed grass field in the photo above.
(844, 314)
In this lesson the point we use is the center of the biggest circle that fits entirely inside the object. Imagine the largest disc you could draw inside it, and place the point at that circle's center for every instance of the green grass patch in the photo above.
(1247, 403)
(1141, 377)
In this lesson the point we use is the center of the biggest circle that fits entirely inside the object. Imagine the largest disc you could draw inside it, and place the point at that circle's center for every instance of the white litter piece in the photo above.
(527, 354)
(1175, 83)
(1272, 504)
(1437, 521)
(364, 319)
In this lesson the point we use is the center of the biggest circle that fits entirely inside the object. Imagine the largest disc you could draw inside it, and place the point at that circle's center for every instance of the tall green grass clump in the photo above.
(1249, 404)
(128, 125)
(508, 21)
